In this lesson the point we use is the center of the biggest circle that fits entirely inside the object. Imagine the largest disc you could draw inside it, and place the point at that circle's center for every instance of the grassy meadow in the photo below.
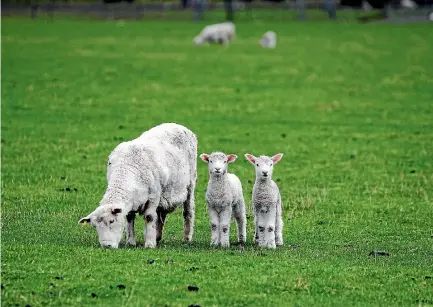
(349, 105)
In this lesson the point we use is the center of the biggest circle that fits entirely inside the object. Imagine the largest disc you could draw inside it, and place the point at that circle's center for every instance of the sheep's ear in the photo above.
(85, 220)
(277, 158)
(205, 157)
(250, 158)
(231, 158)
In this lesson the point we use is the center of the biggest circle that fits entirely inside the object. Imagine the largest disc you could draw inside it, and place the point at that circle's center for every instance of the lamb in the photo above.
(269, 40)
(224, 199)
(220, 33)
(153, 175)
(267, 203)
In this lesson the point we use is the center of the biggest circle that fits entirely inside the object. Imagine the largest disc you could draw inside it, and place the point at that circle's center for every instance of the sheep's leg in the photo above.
(279, 224)
(214, 226)
(189, 214)
(225, 219)
(269, 233)
(130, 237)
(241, 220)
(260, 229)
(256, 229)
(151, 217)
(224, 41)
(160, 222)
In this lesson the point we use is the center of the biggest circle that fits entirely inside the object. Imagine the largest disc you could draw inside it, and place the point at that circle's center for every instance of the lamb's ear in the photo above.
(250, 158)
(116, 210)
(205, 157)
(231, 158)
(277, 158)
(85, 220)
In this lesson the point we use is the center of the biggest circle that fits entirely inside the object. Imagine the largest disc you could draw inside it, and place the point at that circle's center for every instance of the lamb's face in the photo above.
(217, 162)
(108, 222)
(198, 40)
(264, 165)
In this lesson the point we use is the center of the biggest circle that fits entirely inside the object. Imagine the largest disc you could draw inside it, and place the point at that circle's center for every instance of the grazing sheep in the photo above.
(220, 33)
(267, 202)
(269, 40)
(224, 199)
(152, 175)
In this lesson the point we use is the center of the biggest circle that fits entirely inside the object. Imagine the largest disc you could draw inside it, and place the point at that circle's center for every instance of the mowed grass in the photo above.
(349, 105)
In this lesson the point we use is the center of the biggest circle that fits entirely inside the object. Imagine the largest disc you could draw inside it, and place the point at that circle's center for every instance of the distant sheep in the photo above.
(152, 175)
(269, 40)
(267, 202)
(221, 33)
(224, 198)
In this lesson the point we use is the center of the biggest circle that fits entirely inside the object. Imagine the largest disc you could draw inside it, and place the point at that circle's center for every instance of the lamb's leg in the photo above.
(151, 217)
(269, 233)
(130, 237)
(260, 229)
(256, 229)
(241, 221)
(189, 214)
(279, 224)
(214, 226)
(225, 219)
(160, 222)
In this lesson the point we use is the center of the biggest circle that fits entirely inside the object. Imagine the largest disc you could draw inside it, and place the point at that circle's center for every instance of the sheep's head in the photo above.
(198, 40)
(264, 165)
(217, 162)
(108, 222)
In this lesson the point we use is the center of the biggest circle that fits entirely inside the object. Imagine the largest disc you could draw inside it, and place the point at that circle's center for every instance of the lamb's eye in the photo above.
(111, 221)
(225, 161)
(271, 164)
(210, 161)
(257, 164)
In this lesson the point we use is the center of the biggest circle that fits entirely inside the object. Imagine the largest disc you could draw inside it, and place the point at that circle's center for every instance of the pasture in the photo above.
(349, 105)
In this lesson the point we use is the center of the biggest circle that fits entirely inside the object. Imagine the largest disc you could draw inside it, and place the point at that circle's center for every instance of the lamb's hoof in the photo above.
(187, 239)
(225, 244)
(271, 246)
(150, 245)
(279, 242)
(131, 243)
(213, 243)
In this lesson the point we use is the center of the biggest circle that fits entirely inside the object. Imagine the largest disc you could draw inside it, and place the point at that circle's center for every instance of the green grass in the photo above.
(349, 105)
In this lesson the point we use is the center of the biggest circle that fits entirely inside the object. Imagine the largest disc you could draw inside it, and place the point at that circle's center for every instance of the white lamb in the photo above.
(267, 202)
(224, 199)
(220, 33)
(152, 175)
(269, 40)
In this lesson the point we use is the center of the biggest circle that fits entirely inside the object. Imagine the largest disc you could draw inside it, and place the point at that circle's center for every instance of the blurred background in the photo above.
(363, 10)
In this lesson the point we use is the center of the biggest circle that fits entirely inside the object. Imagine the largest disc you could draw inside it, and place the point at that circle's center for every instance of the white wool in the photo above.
(221, 33)
(269, 40)
(267, 203)
(224, 199)
(152, 175)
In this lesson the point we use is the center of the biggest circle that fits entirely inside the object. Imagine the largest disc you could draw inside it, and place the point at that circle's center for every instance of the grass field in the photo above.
(349, 105)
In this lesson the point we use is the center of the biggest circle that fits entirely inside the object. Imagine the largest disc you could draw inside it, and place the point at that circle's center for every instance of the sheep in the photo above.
(153, 175)
(269, 40)
(266, 198)
(225, 199)
(221, 33)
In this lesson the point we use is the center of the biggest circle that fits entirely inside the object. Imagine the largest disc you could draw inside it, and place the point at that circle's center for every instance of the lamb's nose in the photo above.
(265, 173)
(108, 246)
(217, 169)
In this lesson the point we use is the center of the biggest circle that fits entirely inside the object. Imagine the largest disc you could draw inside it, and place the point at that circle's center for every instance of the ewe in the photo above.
(220, 33)
(224, 199)
(266, 202)
(152, 175)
